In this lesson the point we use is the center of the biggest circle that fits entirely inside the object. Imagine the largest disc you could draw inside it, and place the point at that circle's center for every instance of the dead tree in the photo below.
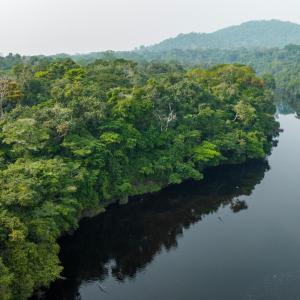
(165, 120)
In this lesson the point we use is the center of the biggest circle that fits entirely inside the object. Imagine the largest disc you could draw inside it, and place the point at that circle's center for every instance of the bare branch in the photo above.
(165, 120)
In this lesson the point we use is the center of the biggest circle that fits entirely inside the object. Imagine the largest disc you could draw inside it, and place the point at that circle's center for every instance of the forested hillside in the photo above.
(254, 34)
(74, 138)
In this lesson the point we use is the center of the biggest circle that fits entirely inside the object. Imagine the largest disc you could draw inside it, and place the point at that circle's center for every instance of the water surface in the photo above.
(235, 235)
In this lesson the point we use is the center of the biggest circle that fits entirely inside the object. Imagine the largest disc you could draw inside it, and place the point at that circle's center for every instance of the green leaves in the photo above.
(110, 138)
(5, 282)
(244, 112)
(207, 153)
(25, 136)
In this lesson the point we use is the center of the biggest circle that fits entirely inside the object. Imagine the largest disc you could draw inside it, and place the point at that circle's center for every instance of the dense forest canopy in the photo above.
(75, 137)
(282, 64)
(279, 67)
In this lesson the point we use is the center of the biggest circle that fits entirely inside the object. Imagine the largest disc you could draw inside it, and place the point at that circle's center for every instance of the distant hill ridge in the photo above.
(253, 34)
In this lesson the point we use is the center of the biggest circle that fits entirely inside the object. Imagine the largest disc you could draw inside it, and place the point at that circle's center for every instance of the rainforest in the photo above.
(166, 172)
(75, 138)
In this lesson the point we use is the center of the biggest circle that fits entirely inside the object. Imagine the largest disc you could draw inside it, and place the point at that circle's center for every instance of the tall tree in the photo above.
(8, 91)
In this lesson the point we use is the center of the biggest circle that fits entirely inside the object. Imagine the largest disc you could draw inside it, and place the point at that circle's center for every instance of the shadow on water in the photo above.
(124, 240)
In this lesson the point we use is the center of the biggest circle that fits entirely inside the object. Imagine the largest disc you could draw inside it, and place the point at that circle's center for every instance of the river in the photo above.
(233, 236)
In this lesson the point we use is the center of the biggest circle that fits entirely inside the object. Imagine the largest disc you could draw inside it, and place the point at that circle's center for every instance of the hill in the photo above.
(253, 34)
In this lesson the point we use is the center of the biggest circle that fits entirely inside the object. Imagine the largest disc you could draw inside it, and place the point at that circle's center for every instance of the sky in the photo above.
(79, 26)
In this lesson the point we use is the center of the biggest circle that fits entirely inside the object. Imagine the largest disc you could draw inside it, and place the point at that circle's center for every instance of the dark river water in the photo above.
(235, 235)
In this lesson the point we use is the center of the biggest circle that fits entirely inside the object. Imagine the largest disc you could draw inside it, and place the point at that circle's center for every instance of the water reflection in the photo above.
(288, 105)
(295, 106)
(122, 242)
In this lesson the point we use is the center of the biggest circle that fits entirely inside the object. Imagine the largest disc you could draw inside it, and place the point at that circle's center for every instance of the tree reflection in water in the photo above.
(125, 239)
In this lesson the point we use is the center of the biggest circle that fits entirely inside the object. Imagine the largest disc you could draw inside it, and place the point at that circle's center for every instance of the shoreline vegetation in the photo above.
(73, 138)
(134, 234)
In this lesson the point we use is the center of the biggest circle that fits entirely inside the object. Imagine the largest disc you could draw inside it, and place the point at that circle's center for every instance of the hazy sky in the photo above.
(77, 26)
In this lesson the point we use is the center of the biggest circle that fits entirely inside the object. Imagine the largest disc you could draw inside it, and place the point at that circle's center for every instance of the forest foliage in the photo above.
(280, 68)
(74, 138)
